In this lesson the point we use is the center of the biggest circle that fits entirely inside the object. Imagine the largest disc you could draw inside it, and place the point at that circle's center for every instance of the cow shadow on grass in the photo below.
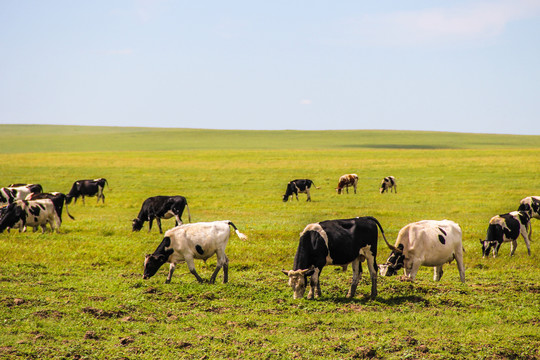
(365, 299)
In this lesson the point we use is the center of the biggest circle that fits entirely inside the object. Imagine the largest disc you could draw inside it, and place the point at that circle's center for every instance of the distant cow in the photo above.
(298, 186)
(20, 192)
(32, 213)
(388, 182)
(347, 180)
(426, 243)
(192, 241)
(335, 242)
(160, 207)
(82, 188)
(506, 228)
(57, 198)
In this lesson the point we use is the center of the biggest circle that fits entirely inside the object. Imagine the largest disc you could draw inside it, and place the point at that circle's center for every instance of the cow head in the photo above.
(152, 263)
(487, 245)
(394, 262)
(137, 224)
(288, 192)
(298, 280)
(11, 215)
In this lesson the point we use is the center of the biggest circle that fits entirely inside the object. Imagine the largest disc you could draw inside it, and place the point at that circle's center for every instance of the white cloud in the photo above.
(471, 21)
(305, 102)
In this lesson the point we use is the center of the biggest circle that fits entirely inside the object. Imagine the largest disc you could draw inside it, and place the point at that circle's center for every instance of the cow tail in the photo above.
(189, 214)
(67, 212)
(240, 235)
(390, 246)
(316, 187)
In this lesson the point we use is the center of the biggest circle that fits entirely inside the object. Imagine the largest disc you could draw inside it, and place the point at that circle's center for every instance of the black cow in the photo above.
(298, 186)
(82, 188)
(506, 228)
(57, 198)
(161, 207)
(335, 242)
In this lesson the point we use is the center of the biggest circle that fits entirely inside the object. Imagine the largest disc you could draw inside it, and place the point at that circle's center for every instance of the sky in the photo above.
(460, 66)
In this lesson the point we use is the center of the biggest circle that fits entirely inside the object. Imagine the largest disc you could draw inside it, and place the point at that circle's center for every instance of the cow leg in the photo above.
(525, 235)
(315, 286)
(355, 277)
(437, 273)
(308, 195)
(222, 261)
(372, 267)
(150, 221)
(513, 247)
(83, 200)
(354, 188)
(158, 221)
(191, 266)
(171, 271)
(413, 270)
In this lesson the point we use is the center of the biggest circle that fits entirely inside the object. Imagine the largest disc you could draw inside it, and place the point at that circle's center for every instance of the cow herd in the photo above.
(333, 242)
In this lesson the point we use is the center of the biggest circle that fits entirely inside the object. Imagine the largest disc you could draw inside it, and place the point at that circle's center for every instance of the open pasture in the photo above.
(80, 294)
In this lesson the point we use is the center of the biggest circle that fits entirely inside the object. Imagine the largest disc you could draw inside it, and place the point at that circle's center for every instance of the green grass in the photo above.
(80, 293)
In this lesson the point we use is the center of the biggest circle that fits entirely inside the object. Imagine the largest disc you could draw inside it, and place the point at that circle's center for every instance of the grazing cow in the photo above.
(87, 188)
(161, 207)
(57, 198)
(506, 228)
(335, 242)
(388, 182)
(11, 194)
(531, 204)
(298, 186)
(33, 213)
(426, 243)
(193, 241)
(347, 180)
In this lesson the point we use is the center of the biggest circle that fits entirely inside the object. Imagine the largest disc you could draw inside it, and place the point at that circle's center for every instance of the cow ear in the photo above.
(285, 272)
(147, 256)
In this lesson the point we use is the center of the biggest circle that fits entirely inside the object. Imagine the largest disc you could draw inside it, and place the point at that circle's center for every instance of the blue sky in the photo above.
(466, 66)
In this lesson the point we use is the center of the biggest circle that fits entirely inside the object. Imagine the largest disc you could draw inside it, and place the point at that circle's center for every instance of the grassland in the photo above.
(79, 294)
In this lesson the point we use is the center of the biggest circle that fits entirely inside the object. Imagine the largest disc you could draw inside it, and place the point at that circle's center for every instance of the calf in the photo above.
(345, 181)
(298, 186)
(57, 198)
(388, 182)
(335, 242)
(426, 243)
(33, 213)
(506, 228)
(160, 207)
(192, 241)
(11, 194)
(82, 188)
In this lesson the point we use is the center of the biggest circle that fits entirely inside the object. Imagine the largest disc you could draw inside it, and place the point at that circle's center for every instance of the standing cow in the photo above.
(335, 242)
(187, 242)
(506, 228)
(82, 188)
(57, 198)
(388, 183)
(32, 213)
(16, 192)
(160, 207)
(426, 243)
(347, 180)
(298, 186)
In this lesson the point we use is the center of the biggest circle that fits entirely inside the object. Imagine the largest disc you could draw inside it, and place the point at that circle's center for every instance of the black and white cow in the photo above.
(531, 204)
(298, 186)
(11, 194)
(188, 242)
(506, 228)
(161, 207)
(57, 198)
(82, 188)
(387, 183)
(426, 243)
(335, 242)
(33, 213)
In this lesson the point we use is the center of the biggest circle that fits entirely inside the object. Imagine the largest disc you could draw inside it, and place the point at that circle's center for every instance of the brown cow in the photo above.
(347, 180)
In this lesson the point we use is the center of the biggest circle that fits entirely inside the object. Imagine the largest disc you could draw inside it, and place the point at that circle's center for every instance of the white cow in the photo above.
(11, 194)
(426, 243)
(187, 242)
